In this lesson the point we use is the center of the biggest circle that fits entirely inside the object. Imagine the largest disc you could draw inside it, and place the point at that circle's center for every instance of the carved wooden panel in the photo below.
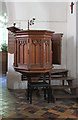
(56, 48)
(47, 51)
(33, 50)
(36, 51)
(11, 42)
(22, 51)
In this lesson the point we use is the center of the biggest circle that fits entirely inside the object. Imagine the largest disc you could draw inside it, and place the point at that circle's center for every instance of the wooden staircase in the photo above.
(66, 89)
(63, 90)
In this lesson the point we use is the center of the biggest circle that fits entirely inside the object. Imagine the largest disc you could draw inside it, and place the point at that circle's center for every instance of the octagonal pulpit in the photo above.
(33, 51)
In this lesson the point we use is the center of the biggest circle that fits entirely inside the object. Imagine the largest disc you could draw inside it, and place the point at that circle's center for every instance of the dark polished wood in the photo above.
(11, 39)
(3, 62)
(33, 50)
(11, 42)
(56, 48)
(33, 53)
(56, 45)
(13, 29)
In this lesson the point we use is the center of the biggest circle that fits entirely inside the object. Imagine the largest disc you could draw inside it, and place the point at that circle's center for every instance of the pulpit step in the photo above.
(59, 71)
(64, 95)
(62, 78)
(62, 86)
(58, 78)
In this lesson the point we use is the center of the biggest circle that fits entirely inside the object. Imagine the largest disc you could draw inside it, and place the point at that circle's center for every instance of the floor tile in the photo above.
(14, 106)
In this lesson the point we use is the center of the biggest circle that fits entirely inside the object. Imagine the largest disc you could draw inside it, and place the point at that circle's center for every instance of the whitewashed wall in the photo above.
(49, 16)
(77, 42)
(71, 41)
(13, 77)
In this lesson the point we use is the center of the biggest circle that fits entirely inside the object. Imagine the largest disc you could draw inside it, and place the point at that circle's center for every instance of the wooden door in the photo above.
(56, 48)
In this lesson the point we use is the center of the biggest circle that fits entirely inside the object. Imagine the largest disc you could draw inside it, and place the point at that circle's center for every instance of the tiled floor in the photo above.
(14, 105)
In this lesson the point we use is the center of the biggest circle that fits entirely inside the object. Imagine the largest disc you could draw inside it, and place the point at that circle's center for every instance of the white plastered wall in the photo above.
(71, 41)
(77, 44)
(49, 16)
(13, 77)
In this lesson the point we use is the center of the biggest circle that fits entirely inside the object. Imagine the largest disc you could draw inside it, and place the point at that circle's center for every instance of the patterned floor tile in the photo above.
(14, 106)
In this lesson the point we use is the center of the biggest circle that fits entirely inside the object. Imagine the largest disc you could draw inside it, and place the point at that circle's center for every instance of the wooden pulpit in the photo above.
(34, 51)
